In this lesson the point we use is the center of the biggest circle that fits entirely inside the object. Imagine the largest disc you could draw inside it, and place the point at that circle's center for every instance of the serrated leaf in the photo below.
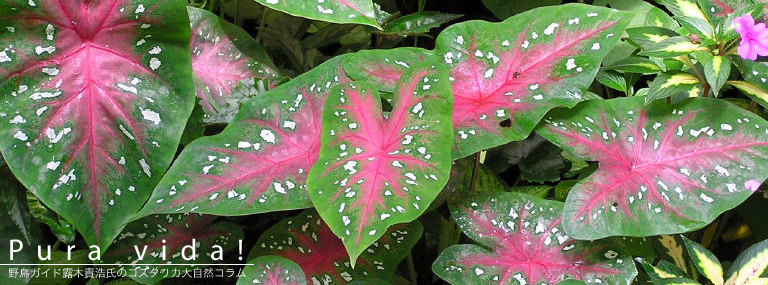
(613, 80)
(672, 47)
(676, 281)
(272, 270)
(671, 247)
(753, 91)
(507, 75)
(716, 69)
(526, 245)
(663, 270)
(383, 68)
(174, 235)
(307, 240)
(375, 171)
(685, 8)
(658, 18)
(663, 168)
(100, 92)
(705, 261)
(229, 65)
(750, 266)
(259, 163)
(418, 23)
(645, 37)
(636, 64)
(335, 11)
(671, 84)
(700, 27)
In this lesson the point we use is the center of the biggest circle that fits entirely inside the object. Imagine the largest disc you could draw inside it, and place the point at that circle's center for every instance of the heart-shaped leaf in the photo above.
(663, 168)
(97, 94)
(229, 65)
(378, 170)
(335, 11)
(507, 75)
(307, 240)
(418, 23)
(259, 163)
(384, 68)
(526, 245)
(272, 270)
(170, 239)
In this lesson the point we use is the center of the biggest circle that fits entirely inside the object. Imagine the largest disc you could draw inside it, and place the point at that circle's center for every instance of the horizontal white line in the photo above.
(127, 265)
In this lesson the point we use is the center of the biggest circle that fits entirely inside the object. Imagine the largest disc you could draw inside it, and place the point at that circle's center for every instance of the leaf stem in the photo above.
(475, 170)
(262, 24)
(687, 61)
(412, 274)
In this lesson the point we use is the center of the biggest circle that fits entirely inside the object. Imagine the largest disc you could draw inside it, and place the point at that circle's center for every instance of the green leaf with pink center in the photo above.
(663, 168)
(335, 11)
(523, 242)
(229, 65)
(272, 270)
(308, 241)
(379, 169)
(259, 163)
(96, 96)
(507, 75)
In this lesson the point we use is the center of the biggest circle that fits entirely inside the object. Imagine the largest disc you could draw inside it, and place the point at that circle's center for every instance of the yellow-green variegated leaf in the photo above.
(716, 69)
(756, 93)
(705, 261)
(751, 264)
(636, 64)
(646, 37)
(668, 84)
(685, 8)
(663, 270)
(672, 47)
(676, 281)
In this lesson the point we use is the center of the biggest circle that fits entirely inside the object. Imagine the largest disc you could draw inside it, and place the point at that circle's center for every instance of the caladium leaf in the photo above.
(170, 239)
(757, 74)
(379, 170)
(750, 266)
(259, 163)
(336, 11)
(272, 270)
(418, 23)
(504, 83)
(308, 241)
(663, 168)
(97, 96)
(384, 68)
(526, 244)
(705, 261)
(229, 65)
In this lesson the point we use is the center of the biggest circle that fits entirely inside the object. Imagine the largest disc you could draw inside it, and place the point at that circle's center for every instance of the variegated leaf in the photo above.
(663, 168)
(705, 261)
(336, 11)
(95, 98)
(259, 163)
(526, 245)
(307, 240)
(272, 270)
(378, 170)
(507, 75)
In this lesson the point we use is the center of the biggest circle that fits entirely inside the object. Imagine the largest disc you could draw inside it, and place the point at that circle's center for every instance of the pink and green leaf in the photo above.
(307, 240)
(259, 163)
(335, 11)
(96, 96)
(384, 68)
(229, 65)
(507, 75)
(376, 170)
(161, 239)
(272, 270)
(663, 168)
(524, 243)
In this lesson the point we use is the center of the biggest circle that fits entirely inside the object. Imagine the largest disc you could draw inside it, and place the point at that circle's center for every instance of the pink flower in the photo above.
(754, 37)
